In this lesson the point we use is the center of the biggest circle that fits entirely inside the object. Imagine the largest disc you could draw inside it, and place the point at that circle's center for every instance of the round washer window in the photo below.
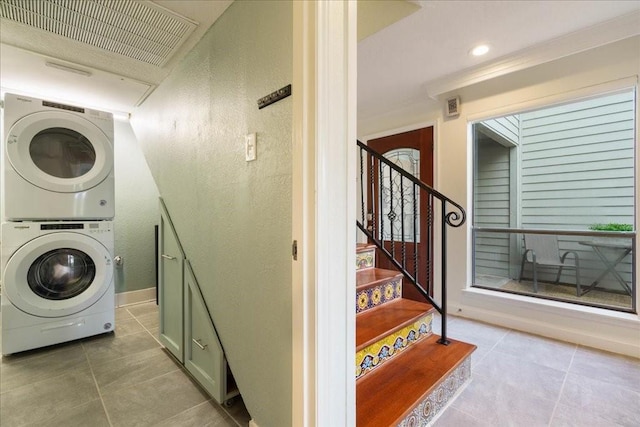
(61, 274)
(62, 152)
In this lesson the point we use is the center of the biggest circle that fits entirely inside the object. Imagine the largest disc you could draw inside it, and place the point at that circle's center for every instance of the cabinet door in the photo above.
(170, 286)
(203, 357)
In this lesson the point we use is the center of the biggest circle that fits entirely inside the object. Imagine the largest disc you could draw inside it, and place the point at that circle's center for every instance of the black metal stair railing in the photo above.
(395, 206)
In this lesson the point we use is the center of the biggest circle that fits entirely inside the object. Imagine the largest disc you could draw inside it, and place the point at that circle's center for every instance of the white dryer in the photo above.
(58, 161)
(58, 282)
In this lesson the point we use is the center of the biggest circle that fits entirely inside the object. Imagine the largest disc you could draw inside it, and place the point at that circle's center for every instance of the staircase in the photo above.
(404, 377)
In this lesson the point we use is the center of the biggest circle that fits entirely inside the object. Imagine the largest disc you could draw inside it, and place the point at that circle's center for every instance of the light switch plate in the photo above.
(250, 147)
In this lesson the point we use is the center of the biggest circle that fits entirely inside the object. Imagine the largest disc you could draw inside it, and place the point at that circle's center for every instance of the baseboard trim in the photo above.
(135, 297)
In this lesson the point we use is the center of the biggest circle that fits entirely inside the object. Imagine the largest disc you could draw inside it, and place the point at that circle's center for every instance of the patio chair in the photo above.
(543, 250)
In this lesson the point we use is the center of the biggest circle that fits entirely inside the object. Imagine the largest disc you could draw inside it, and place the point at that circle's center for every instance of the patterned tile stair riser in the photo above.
(439, 398)
(373, 297)
(365, 260)
(377, 353)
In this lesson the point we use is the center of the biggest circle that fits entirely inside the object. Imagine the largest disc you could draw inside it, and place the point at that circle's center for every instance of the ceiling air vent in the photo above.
(136, 29)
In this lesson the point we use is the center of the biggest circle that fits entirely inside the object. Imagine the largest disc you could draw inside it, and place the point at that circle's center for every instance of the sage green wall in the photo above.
(136, 212)
(233, 217)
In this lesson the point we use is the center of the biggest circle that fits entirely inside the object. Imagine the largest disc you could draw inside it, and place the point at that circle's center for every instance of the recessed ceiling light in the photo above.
(480, 50)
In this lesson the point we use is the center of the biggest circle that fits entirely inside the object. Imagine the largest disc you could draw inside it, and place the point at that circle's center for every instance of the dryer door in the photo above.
(59, 151)
(58, 274)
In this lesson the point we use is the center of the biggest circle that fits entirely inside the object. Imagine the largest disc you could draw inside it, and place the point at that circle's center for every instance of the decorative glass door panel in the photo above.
(400, 201)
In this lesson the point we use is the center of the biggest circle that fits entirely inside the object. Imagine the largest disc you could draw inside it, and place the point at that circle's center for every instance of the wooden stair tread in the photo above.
(372, 325)
(361, 247)
(372, 276)
(413, 374)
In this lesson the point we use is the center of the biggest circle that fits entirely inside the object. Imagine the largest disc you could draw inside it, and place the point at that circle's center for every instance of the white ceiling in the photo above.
(422, 54)
(399, 64)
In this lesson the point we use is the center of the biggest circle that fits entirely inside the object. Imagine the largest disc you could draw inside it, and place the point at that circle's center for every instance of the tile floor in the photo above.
(523, 380)
(119, 379)
(126, 379)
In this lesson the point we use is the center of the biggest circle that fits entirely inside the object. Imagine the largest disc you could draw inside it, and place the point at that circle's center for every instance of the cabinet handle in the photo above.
(197, 342)
(168, 257)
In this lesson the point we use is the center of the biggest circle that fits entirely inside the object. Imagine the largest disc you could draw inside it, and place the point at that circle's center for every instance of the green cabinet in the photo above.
(170, 286)
(186, 328)
(203, 353)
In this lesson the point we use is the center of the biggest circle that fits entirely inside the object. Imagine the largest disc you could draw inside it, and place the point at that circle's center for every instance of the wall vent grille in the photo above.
(136, 29)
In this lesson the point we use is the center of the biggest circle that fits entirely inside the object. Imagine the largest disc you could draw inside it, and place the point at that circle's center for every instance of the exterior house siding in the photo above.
(577, 169)
(492, 208)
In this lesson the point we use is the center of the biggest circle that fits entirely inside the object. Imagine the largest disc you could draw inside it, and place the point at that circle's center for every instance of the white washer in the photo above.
(58, 161)
(58, 282)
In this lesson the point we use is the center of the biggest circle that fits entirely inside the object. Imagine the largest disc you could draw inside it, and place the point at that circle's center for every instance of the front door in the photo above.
(396, 222)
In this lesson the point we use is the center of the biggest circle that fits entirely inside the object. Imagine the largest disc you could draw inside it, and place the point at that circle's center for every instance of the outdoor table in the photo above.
(597, 246)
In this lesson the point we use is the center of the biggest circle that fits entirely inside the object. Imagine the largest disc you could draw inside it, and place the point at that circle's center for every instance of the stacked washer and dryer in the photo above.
(57, 238)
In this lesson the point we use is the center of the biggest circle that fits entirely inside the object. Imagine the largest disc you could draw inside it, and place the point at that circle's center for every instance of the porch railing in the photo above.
(395, 207)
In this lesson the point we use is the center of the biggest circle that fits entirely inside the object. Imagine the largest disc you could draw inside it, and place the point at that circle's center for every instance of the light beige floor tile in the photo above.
(133, 369)
(529, 378)
(143, 308)
(113, 347)
(207, 414)
(608, 367)
(40, 352)
(16, 371)
(543, 351)
(501, 404)
(454, 417)
(90, 414)
(46, 399)
(127, 327)
(150, 320)
(153, 401)
(569, 416)
(483, 335)
(122, 314)
(602, 399)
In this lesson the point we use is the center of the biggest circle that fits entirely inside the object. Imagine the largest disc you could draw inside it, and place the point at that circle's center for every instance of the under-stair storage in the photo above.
(404, 376)
(170, 286)
(186, 328)
(203, 354)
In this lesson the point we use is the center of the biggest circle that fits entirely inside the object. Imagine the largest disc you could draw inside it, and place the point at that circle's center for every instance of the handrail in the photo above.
(416, 181)
(453, 218)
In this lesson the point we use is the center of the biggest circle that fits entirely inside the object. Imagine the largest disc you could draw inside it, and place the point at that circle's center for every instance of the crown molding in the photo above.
(620, 28)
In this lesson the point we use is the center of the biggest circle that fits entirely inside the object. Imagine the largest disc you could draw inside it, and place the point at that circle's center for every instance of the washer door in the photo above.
(58, 274)
(59, 151)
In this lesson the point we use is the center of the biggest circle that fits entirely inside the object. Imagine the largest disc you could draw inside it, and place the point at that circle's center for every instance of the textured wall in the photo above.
(136, 212)
(233, 217)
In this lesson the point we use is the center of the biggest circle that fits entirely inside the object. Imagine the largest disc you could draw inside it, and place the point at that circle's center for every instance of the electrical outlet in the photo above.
(250, 147)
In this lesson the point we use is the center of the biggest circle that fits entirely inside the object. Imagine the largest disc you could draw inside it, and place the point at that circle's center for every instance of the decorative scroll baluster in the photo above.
(380, 206)
(430, 242)
(443, 249)
(404, 245)
(416, 270)
(362, 186)
(391, 215)
(372, 208)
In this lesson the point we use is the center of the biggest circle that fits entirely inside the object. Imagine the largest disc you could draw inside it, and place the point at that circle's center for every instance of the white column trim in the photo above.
(303, 216)
(324, 158)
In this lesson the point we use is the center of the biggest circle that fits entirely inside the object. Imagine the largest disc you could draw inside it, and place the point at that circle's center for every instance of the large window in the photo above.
(554, 202)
